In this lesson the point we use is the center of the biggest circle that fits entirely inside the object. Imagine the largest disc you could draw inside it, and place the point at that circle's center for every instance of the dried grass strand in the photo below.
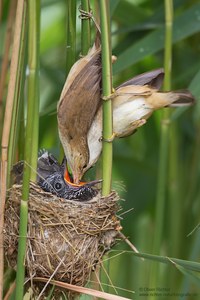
(83, 290)
(8, 42)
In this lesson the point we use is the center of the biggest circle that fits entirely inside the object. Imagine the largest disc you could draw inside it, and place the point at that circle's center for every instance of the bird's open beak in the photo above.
(81, 183)
(69, 180)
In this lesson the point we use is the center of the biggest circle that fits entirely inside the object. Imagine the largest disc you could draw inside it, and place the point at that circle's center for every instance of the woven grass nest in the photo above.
(66, 239)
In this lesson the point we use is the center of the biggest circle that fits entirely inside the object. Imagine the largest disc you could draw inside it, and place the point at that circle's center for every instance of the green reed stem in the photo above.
(164, 145)
(33, 79)
(18, 100)
(85, 33)
(174, 191)
(30, 165)
(71, 44)
(71, 34)
(107, 91)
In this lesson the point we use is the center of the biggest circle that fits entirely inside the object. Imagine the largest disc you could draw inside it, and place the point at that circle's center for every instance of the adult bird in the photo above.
(134, 101)
(132, 106)
(79, 102)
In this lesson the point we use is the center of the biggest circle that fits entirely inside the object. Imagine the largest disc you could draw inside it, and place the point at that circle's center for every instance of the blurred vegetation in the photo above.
(138, 31)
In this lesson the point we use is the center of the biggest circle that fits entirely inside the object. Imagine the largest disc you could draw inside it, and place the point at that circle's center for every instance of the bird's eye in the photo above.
(58, 186)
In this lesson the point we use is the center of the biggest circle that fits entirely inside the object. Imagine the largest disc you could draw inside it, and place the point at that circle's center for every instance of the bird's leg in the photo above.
(84, 15)
(114, 58)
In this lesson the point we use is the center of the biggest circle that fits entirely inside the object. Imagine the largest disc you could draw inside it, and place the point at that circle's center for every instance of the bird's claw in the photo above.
(84, 15)
(109, 97)
(110, 139)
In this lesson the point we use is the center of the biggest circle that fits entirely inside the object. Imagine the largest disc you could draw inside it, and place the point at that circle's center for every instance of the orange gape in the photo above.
(68, 179)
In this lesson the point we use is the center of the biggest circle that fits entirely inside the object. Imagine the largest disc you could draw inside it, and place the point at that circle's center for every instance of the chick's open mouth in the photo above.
(69, 180)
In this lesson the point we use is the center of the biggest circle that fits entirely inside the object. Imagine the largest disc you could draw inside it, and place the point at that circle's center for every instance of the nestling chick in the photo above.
(78, 104)
(50, 177)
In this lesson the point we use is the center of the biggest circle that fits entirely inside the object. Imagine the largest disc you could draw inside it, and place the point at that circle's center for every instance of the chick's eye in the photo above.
(58, 186)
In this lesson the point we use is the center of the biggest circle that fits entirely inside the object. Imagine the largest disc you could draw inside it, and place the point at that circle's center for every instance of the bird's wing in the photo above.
(80, 102)
(153, 78)
(130, 93)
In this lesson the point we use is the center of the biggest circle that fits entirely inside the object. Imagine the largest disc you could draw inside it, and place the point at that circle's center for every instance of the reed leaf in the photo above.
(186, 264)
(184, 26)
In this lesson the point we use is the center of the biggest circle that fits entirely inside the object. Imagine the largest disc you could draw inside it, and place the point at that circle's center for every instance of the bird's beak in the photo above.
(94, 182)
(76, 177)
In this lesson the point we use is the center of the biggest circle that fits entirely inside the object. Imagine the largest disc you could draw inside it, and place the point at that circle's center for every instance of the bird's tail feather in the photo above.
(184, 98)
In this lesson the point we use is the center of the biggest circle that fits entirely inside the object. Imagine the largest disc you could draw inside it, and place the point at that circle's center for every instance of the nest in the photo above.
(66, 239)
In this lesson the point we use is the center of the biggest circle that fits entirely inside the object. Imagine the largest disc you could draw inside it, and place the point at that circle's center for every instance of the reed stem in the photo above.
(7, 125)
(175, 206)
(18, 100)
(31, 149)
(6, 57)
(164, 145)
(33, 79)
(71, 35)
(71, 45)
(107, 91)
(85, 33)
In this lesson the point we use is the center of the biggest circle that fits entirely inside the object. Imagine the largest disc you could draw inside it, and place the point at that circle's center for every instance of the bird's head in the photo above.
(78, 163)
(77, 154)
(56, 185)
(54, 178)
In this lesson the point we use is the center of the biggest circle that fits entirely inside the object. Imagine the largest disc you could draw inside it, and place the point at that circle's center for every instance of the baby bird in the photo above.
(51, 178)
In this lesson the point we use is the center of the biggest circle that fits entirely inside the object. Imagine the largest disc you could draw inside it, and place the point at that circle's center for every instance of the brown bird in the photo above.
(80, 126)
(133, 103)
(78, 104)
